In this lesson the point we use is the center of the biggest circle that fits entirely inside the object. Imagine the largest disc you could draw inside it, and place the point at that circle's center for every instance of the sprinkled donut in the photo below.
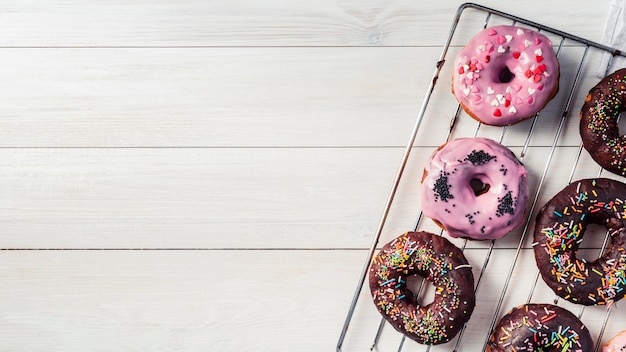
(598, 122)
(505, 74)
(540, 327)
(616, 344)
(474, 188)
(441, 263)
(559, 229)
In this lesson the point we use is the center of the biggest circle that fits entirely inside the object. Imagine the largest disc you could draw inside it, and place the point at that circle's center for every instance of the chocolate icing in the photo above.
(598, 122)
(559, 229)
(540, 327)
(442, 264)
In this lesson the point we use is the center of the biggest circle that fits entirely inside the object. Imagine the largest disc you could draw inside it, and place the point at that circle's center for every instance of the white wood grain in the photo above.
(262, 23)
(193, 198)
(174, 300)
(216, 97)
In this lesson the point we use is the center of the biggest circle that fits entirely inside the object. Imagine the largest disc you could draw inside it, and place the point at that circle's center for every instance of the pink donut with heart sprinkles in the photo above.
(505, 74)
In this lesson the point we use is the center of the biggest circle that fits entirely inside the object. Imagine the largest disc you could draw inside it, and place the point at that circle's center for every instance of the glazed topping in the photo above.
(505, 74)
(414, 254)
(475, 187)
(617, 344)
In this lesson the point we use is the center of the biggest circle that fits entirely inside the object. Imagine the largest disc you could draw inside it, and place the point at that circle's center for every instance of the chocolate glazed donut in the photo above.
(440, 262)
(598, 122)
(539, 327)
(559, 229)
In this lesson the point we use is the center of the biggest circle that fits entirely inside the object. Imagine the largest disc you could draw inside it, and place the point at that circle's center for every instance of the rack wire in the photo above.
(551, 135)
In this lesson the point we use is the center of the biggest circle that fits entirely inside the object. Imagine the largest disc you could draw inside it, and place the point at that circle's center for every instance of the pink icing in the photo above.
(448, 196)
(617, 344)
(480, 78)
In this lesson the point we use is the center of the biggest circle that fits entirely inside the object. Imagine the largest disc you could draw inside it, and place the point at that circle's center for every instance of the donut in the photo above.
(505, 74)
(444, 266)
(539, 327)
(616, 344)
(559, 229)
(474, 188)
(598, 123)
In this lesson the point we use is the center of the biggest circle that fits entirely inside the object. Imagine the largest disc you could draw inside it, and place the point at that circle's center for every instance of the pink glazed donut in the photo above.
(474, 188)
(617, 344)
(505, 74)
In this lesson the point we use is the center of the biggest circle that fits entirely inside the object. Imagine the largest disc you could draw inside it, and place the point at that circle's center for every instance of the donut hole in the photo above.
(417, 285)
(505, 75)
(479, 187)
(592, 242)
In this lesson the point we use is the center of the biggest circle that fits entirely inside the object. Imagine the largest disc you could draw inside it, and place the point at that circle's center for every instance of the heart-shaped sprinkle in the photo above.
(466, 91)
(475, 89)
(500, 98)
(519, 101)
(461, 70)
(516, 55)
(528, 73)
(500, 40)
(517, 88)
(537, 41)
(495, 102)
(536, 78)
(531, 91)
(512, 110)
(490, 90)
(492, 31)
(527, 43)
(501, 49)
(507, 103)
(538, 52)
(477, 99)
(540, 86)
(520, 31)
(497, 113)
(539, 58)
(487, 58)
(470, 75)
(531, 100)
(508, 38)
(482, 47)
(509, 90)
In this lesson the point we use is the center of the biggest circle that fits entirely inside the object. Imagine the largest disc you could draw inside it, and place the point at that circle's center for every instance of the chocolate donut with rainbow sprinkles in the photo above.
(505, 74)
(540, 327)
(559, 229)
(441, 263)
(599, 129)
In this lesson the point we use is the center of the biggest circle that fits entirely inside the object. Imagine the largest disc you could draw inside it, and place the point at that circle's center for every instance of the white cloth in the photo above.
(614, 35)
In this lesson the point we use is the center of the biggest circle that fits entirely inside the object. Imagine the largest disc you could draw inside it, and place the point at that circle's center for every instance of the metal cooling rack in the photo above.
(365, 329)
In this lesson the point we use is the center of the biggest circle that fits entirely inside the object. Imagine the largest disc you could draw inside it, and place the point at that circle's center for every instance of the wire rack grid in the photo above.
(550, 147)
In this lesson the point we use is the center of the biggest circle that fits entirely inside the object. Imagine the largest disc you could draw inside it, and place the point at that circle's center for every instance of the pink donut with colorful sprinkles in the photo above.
(505, 74)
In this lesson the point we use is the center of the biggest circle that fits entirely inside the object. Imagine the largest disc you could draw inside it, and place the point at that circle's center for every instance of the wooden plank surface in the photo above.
(208, 175)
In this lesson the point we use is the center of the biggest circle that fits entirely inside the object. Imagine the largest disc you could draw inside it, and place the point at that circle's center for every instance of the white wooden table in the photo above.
(208, 175)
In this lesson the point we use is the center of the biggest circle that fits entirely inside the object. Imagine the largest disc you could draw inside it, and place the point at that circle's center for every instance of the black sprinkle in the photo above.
(504, 170)
(482, 229)
(479, 157)
(505, 205)
(470, 217)
(442, 188)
